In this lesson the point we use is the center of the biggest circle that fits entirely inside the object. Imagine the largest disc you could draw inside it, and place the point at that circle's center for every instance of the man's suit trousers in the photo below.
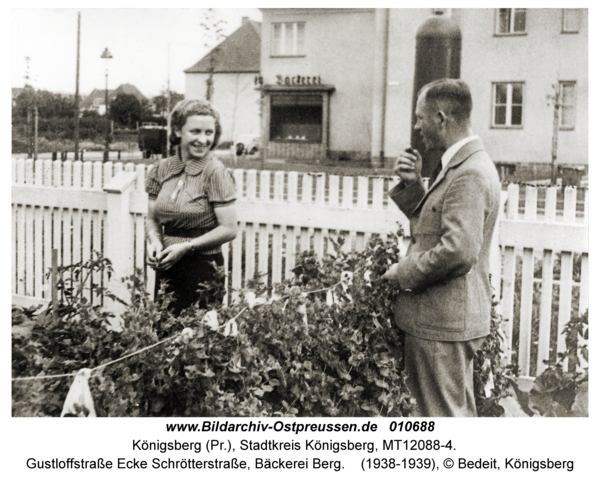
(440, 376)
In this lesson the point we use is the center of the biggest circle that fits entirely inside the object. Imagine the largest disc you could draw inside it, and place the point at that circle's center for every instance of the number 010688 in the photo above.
(412, 426)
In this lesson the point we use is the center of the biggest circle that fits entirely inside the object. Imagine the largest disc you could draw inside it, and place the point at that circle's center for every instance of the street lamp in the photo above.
(106, 56)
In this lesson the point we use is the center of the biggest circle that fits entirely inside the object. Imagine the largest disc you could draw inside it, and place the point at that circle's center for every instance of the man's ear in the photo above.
(442, 117)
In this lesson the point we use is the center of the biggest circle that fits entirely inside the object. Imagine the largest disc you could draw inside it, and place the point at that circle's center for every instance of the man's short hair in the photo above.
(453, 94)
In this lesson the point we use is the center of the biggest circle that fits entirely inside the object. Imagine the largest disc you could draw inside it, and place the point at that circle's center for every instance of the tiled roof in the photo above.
(240, 52)
(88, 102)
(127, 89)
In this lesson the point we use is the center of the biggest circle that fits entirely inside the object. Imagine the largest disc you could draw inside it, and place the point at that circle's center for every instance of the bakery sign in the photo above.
(293, 80)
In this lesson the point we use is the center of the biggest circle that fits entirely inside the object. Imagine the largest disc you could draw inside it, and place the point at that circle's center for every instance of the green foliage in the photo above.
(126, 110)
(56, 121)
(161, 102)
(321, 344)
(556, 392)
(50, 105)
(491, 370)
(340, 359)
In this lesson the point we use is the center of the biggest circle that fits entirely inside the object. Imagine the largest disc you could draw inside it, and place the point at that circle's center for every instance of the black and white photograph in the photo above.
(313, 236)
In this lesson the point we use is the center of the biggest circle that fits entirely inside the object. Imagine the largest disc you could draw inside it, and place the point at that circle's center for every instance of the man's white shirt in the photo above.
(453, 149)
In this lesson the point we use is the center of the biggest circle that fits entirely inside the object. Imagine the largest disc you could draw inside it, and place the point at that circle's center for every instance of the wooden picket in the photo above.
(543, 239)
(62, 205)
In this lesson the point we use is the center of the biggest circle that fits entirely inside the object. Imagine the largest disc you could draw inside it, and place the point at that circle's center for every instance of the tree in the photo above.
(50, 105)
(213, 34)
(161, 102)
(126, 110)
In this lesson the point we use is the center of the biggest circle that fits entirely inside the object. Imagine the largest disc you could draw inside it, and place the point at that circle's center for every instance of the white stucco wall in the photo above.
(236, 98)
(540, 58)
(339, 48)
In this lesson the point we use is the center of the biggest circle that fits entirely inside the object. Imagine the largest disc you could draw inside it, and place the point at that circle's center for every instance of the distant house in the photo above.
(96, 100)
(235, 64)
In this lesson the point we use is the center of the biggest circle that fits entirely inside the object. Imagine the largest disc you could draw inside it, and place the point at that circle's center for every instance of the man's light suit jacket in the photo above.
(444, 277)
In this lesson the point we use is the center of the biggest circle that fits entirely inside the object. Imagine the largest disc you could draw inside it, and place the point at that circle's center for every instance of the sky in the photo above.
(138, 39)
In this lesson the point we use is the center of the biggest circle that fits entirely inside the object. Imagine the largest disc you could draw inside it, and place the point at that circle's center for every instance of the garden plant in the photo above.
(323, 343)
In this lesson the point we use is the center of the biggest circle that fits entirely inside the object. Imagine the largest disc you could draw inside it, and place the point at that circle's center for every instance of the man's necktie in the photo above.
(435, 173)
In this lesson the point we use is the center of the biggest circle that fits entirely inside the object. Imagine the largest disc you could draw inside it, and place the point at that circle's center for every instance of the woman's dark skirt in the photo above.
(183, 281)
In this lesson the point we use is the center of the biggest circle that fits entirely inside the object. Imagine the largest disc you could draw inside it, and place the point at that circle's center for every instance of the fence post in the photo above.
(118, 239)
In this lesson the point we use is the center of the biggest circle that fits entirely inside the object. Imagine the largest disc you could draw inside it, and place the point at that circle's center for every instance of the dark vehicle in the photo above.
(247, 144)
(152, 139)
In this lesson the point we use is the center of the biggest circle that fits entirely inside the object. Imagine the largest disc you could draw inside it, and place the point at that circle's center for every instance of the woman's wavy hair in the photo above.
(189, 108)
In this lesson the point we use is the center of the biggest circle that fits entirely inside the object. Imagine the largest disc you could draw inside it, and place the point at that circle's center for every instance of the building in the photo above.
(235, 66)
(96, 100)
(338, 83)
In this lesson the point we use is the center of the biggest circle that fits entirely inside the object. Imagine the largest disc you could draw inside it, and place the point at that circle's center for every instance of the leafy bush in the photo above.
(333, 352)
(321, 344)
(556, 392)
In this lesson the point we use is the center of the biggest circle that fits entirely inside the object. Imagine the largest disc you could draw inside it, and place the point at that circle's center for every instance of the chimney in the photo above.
(244, 20)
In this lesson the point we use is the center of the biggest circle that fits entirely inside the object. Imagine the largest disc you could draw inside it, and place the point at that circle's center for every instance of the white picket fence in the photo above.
(81, 207)
(542, 235)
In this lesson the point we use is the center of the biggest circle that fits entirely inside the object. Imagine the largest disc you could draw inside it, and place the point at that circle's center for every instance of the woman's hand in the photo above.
(171, 255)
(153, 251)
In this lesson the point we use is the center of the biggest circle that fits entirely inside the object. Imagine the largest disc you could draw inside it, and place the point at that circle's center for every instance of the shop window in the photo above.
(571, 20)
(511, 21)
(296, 118)
(288, 39)
(567, 105)
(508, 104)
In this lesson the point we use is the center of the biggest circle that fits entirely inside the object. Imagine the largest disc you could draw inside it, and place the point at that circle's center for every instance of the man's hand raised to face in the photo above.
(408, 166)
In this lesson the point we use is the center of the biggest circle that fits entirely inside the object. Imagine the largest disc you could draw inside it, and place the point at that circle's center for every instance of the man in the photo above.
(445, 304)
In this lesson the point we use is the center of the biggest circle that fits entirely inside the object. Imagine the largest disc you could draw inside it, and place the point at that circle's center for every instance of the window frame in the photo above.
(564, 16)
(284, 27)
(322, 105)
(509, 105)
(562, 84)
(511, 32)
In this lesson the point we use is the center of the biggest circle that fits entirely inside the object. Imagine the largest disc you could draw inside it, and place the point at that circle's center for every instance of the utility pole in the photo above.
(106, 56)
(169, 101)
(29, 136)
(35, 128)
(77, 89)
(29, 109)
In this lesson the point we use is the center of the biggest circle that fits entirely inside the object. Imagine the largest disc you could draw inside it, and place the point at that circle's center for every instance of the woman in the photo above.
(191, 206)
